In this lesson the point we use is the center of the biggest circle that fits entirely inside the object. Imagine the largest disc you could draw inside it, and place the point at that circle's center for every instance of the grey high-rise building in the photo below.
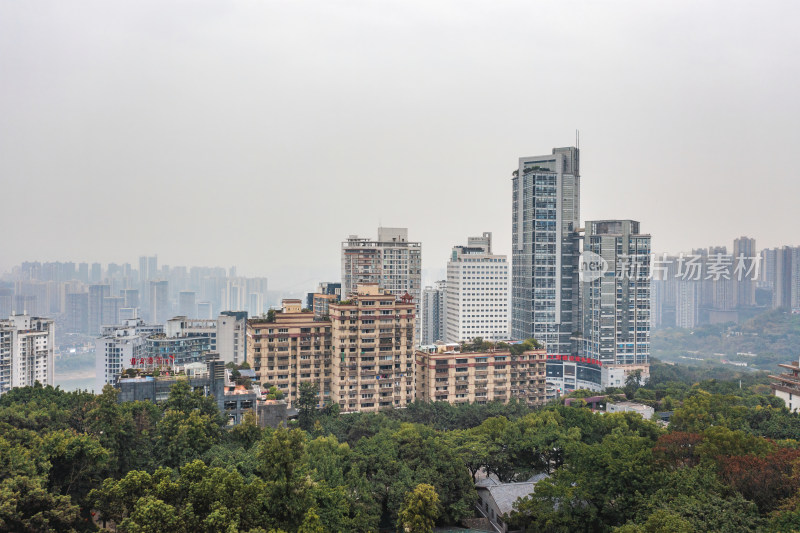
(152, 267)
(545, 250)
(83, 272)
(6, 301)
(205, 310)
(96, 295)
(744, 271)
(78, 312)
(111, 307)
(615, 303)
(433, 319)
(96, 275)
(160, 306)
(186, 304)
(131, 297)
(787, 278)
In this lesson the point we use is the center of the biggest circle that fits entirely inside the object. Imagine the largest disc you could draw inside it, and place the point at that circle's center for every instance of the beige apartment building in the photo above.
(455, 377)
(373, 344)
(292, 349)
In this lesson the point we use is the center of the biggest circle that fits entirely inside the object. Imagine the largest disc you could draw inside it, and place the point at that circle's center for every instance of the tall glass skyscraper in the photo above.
(545, 250)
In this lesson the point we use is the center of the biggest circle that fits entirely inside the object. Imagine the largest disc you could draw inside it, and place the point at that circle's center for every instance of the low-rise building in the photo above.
(210, 378)
(617, 375)
(496, 499)
(481, 377)
(631, 407)
(786, 385)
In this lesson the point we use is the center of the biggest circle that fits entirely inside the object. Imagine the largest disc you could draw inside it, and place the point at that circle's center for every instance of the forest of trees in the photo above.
(729, 460)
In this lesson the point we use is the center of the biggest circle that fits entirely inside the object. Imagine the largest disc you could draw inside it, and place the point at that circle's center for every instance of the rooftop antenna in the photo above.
(578, 139)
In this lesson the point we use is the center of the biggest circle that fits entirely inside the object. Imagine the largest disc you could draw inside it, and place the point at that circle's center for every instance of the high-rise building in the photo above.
(373, 344)
(117, 349)
(78, 312)
(687, 303)
(131, 297)
(767, 270)
(96, 275)
(231, 336)
(292, 349)
(96, 295)
(744, 282)
(615, 306)
(545, 250)
(204, 310)
(83, 272)
(6, 301)
(26, 351)
(477, 292)
(786, 280)
(433, 321)
(160, 305)
(186, 304)
(152, 267)
(391, 261)
(111, 307)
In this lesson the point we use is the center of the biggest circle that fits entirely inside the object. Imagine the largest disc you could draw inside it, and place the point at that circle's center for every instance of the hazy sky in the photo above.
(262, 133)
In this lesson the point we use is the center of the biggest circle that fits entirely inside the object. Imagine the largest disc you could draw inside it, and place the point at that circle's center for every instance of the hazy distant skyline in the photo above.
(262, 134)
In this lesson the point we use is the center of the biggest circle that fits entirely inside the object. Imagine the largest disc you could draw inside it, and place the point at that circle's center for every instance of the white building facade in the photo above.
(118, 346)
(26, 351)
(477, 292)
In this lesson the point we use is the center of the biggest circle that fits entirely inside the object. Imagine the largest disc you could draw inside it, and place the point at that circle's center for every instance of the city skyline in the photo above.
(211, 139)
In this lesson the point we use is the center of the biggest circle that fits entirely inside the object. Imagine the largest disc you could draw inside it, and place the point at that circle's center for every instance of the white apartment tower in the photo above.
(477, 292)
(391, 261)
(116, 348)
(26, 351)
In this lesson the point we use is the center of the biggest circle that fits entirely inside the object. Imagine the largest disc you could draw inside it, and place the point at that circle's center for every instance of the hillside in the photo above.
(772, 337)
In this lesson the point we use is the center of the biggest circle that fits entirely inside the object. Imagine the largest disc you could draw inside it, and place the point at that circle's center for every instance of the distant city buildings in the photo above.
(136, 344)
(476, 294)
(433, 309)
(155, 293)
(97, 293)
(712, 286)
(326, 292)
(26, 351)
(120, 347)
(744, 287)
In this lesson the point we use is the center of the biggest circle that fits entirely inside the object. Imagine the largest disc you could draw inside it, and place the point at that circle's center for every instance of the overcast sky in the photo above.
(262, 133)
